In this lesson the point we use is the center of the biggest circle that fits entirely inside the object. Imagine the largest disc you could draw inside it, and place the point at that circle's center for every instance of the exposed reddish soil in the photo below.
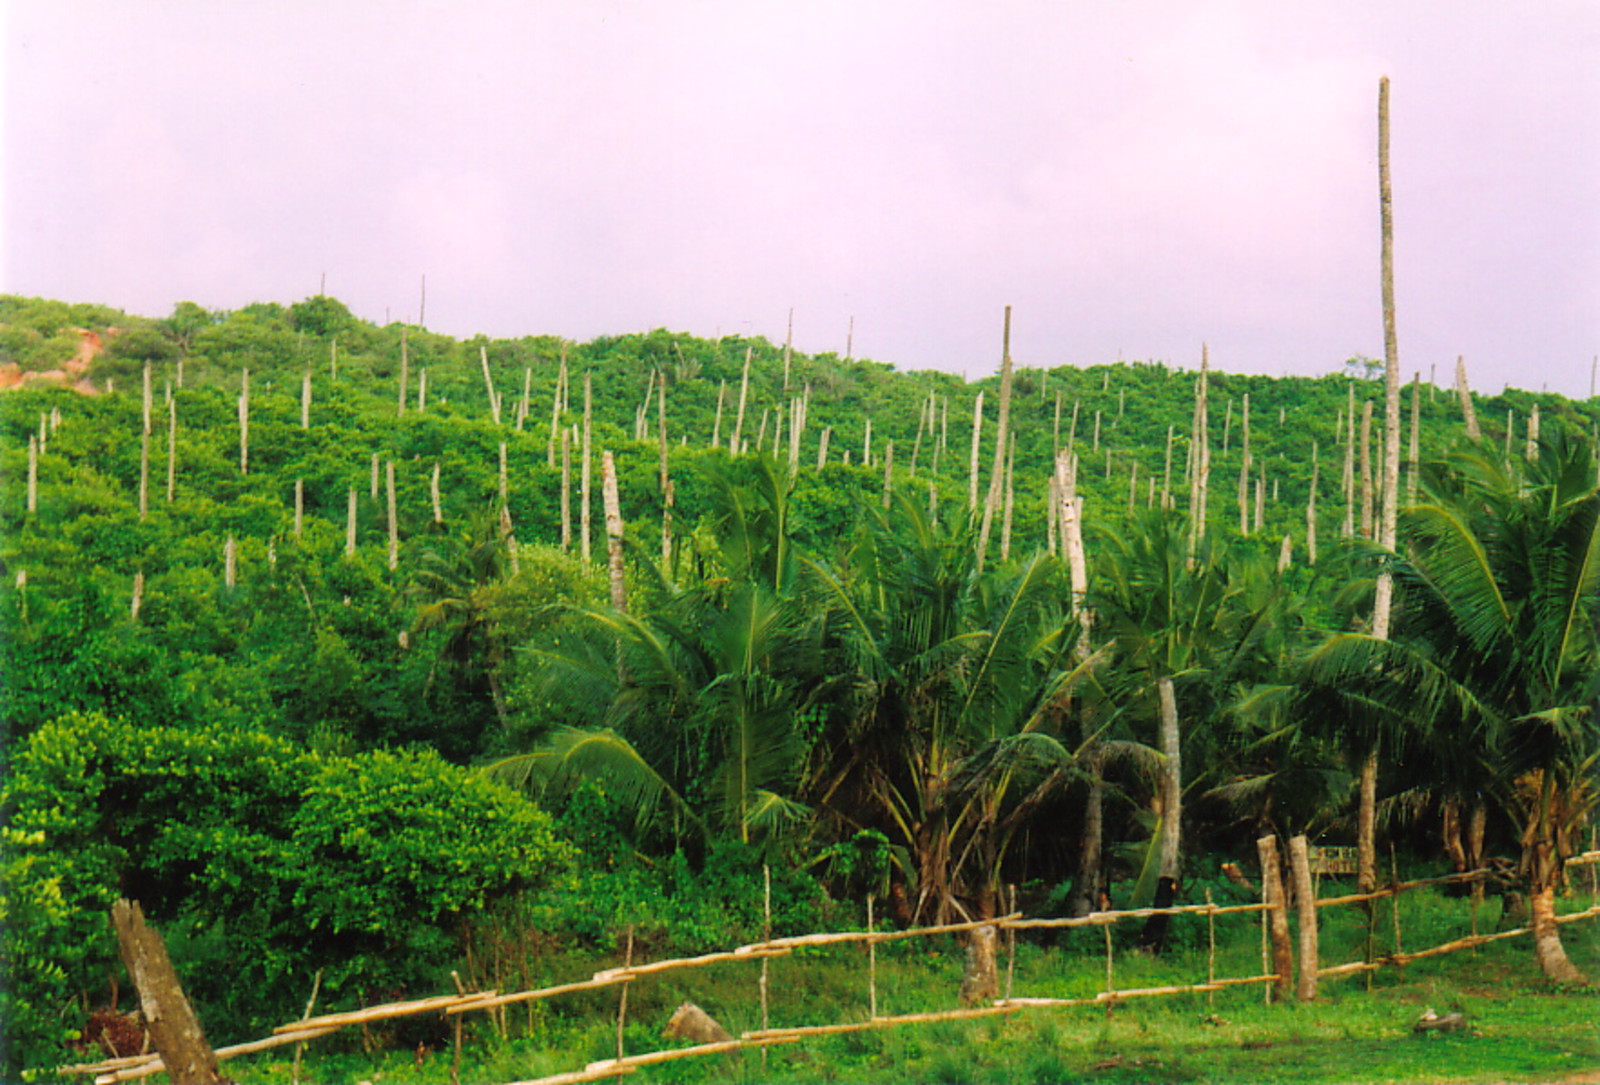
(71, 375)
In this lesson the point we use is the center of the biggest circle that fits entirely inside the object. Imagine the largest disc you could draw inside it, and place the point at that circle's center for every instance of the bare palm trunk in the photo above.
(613, 508)
(1552, 955)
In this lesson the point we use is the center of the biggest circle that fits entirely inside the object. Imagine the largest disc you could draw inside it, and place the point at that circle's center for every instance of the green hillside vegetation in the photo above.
(819, 669)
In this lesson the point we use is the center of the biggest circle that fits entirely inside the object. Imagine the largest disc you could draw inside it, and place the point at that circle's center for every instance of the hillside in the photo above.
(288, 538)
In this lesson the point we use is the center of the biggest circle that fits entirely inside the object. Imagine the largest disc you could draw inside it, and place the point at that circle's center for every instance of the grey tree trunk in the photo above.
(174, 1029)
(244, 423)
(172, 450)
(393, 518)
(734, 445)
(585, 513)
(972, 467)
(1001, 444)
(1468, 415)
(613, 509)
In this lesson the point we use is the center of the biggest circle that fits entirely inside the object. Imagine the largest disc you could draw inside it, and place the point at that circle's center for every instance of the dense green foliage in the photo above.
(226, 695)
(361, 866)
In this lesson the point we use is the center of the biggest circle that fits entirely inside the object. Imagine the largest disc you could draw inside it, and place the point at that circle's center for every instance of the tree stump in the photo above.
(174, 1029)
(981, 981)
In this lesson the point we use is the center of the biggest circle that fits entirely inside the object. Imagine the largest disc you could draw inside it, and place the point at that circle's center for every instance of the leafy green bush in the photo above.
(260, 863)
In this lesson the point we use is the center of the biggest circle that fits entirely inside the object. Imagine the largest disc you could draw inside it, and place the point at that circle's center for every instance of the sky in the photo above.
(1134, 179)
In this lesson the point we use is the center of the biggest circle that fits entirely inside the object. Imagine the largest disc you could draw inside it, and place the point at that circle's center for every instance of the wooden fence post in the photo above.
(174, 1028)
(1305, 898)
(1277, 914)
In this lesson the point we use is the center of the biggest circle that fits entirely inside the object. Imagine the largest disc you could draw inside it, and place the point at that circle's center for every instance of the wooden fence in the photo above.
(1277, 977)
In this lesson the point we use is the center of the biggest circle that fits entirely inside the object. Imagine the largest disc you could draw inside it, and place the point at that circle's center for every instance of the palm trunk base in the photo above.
(1552, 955)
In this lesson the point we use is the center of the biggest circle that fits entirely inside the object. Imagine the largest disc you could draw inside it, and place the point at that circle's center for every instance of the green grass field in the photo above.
(1520, 1028)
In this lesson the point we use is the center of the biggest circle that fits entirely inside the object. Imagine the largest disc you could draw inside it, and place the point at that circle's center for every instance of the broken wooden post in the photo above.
(1305, 899)
(174, 1028)
(1277, 916)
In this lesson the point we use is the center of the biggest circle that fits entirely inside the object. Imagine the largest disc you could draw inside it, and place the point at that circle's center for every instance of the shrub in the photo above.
(260, 863)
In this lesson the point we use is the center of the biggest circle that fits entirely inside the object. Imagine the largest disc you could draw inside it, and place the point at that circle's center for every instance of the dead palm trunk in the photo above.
(172, 450)
(585, 514)
(972, 467)
(1468, 415)
(557, 404)
(394, 520)
(488, 384)
(350, 525)
(1244, 466)
(1169, 837)
(666, 478)
(566, 491)
(613, 509)
(405, 374)
(244, 423)
(299, 505)
(1201, 453)
(1002, 440)
(1088, 878)
(144, 449)
(33, 474)
(1366, 470)
(734, 445)
(1366, 819)
(1311, 511)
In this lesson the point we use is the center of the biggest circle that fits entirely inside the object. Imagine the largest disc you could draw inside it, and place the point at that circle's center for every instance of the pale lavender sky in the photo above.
(1133, 178)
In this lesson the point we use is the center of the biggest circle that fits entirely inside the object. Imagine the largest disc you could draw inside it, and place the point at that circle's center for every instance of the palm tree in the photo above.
(1192, 631)
(1493, 671)
(705, 718)
(949, 737)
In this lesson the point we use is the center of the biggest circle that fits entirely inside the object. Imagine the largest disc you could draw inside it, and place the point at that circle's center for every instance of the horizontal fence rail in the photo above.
(110, 1071)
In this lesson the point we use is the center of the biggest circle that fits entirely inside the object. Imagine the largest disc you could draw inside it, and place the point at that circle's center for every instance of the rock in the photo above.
(1433, 1022)
(690, 1022)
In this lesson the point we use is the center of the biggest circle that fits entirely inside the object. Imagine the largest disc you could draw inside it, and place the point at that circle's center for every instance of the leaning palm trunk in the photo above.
(1541, 857)
(1551, 954)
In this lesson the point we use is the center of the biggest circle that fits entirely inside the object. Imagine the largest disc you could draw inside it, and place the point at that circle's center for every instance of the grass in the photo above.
(1521, 1029)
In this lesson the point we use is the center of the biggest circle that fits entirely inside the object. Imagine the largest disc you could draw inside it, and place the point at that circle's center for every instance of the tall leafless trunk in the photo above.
(144, 449)
(1201, 457)
(1414, 453)
(488, 385)
(972, 466)
(613, 509)
(557, 406)
(585, 503)
(1366, 471)
(666, 477)
(566, 491)
(244, 423)
(299, 505)
(1468, 415)
(393, 518)
(1366, 820)
(716, 422)
(1244, 466)
(734, 443)
(788, 351)
(405, 375)
(1311, 511)
(172, 450)
(1002, 442)
(350, 525)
